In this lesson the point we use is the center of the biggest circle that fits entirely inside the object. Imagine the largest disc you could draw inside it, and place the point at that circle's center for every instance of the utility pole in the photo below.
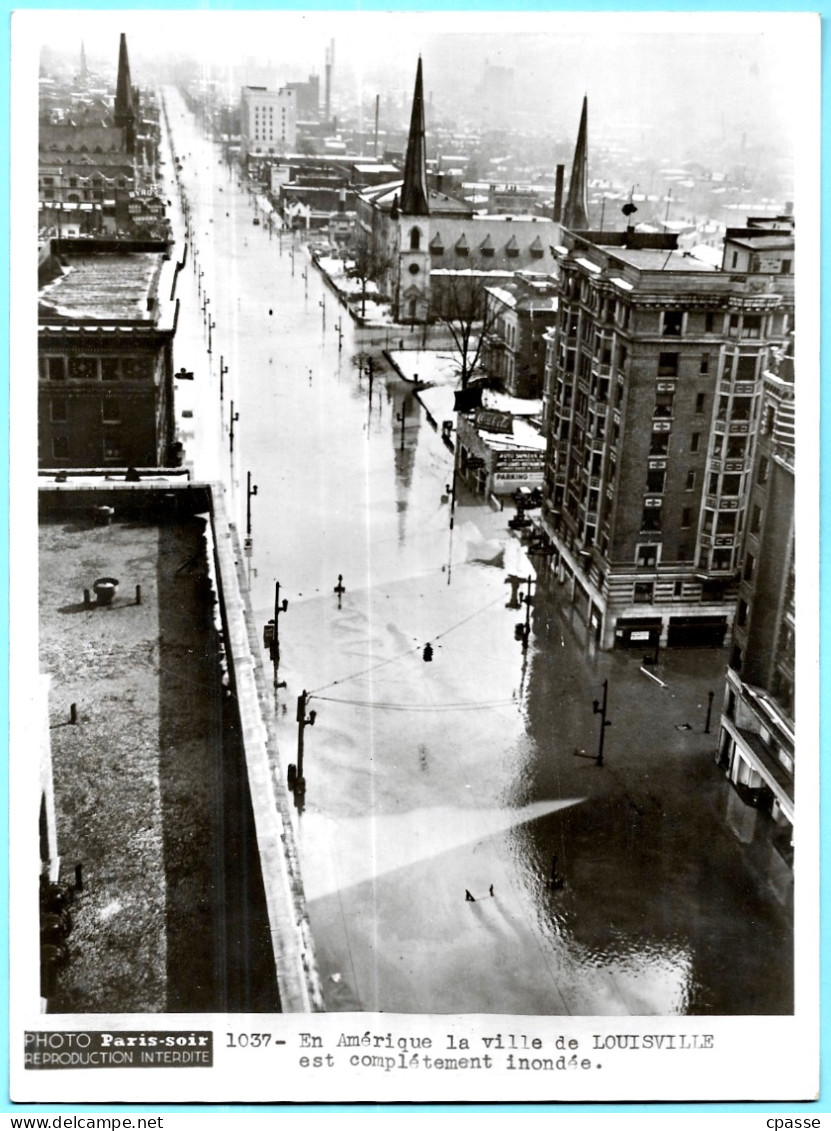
(271, 632)
(599, 708)
(211, 326)
(249, 492)
(340, 334)
(223, 369)
(234, 419)
(322, 305)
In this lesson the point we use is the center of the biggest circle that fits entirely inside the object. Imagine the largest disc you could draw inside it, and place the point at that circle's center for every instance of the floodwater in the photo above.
(472, 771)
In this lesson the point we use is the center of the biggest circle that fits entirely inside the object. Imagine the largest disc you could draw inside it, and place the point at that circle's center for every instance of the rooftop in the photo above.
(653, 259)
(118, 287)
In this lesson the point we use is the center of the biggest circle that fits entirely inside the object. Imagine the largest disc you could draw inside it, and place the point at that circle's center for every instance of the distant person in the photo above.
(490, 889)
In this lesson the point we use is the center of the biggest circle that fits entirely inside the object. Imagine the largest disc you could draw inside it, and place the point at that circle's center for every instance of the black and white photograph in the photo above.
(414, 555)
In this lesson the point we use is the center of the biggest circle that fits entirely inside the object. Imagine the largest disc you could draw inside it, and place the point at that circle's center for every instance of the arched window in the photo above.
(415, 239)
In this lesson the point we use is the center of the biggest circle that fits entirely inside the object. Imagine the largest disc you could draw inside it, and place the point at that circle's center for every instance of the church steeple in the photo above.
(414, 188)
(123, 88)
(125, 113)
(576, 214)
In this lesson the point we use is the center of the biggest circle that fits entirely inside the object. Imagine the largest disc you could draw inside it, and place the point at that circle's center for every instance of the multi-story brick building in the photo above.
(105, 356)
(756, 739)
(654, 382)
(517, 315)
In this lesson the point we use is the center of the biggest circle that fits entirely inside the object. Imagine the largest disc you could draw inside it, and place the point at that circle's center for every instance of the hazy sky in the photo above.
(678, 72)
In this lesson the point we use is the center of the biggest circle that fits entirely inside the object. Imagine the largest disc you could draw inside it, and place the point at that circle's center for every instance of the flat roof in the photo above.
(106, 286)
(658, 259)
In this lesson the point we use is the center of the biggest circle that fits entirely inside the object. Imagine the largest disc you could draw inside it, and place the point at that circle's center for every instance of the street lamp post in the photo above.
(211, 326)
(340, 334)
(322, 305)
(710, 695)
(299, 782)
(271, 633)
(250, 491)
(599, 708)
(234, 419)
(223, 369)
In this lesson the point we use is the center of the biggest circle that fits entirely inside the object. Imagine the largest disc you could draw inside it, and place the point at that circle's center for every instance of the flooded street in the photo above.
(471, 771)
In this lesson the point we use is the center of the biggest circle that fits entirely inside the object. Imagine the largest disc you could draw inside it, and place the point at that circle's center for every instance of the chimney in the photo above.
(558, 193)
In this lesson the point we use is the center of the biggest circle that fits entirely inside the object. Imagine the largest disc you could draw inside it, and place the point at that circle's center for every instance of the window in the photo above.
(749, 567)
(762, 473)
(786, 267)
(58, 410)
(110, 368)
(722, 559)
(686, 518)
(695, 441)
(643, 592)
(690, 484)
(736, 447)
(667, 364)
(659, 445)
(663, 405)
(741, 615)
(52, 368)
(752, 326)
(60, 447)
(415, 239)
(699, 402)
(742, 407)
(755, 519)
(709, 321)
(704, 364)
(726, 522)
(672, 323)
(678, 589)
(731, 485)
(651, 518)
(655, 480)
(112, 447)
(647, 555)
(110, 411)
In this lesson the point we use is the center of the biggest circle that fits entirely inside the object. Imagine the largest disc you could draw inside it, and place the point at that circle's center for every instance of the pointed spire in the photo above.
(84, 67)
(576, 214)
(123, 87)
(414, 188)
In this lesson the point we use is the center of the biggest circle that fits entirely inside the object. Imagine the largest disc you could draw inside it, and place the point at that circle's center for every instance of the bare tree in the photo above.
(460, 305)
(369, 264)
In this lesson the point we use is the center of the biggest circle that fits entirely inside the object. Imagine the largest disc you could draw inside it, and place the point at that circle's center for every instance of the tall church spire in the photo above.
(414, 188)
(123, 88)
(576, 214)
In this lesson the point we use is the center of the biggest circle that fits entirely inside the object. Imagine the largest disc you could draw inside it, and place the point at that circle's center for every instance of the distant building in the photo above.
(654, 383)
(756, 739)
(307, 96)
(268, 123)
(106, 322)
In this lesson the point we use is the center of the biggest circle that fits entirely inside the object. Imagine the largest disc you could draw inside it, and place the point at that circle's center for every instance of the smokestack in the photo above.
(558, 193)
(377, 112)
(330, 60)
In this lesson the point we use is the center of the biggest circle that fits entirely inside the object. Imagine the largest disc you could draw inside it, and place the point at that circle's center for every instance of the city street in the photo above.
(471, 771)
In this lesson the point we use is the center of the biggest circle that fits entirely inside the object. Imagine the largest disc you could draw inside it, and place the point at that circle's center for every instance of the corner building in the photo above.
(653, 386)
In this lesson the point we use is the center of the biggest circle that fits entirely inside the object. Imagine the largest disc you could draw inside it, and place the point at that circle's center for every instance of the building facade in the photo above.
(756, 740)
(654, 382)
(268, 122)
(517, 316)
(105, 358)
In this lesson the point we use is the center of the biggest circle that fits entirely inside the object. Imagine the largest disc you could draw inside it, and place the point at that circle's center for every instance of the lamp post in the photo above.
(322, 305)
(299, 783)
(599, 708)
(710, 695)
(211, 326)
(223, 369)
(250, 491)
(234, 419)
(271, 632)
(340, 334)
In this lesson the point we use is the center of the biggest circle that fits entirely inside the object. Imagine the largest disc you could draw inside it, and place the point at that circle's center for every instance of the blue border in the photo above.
(823, 7)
